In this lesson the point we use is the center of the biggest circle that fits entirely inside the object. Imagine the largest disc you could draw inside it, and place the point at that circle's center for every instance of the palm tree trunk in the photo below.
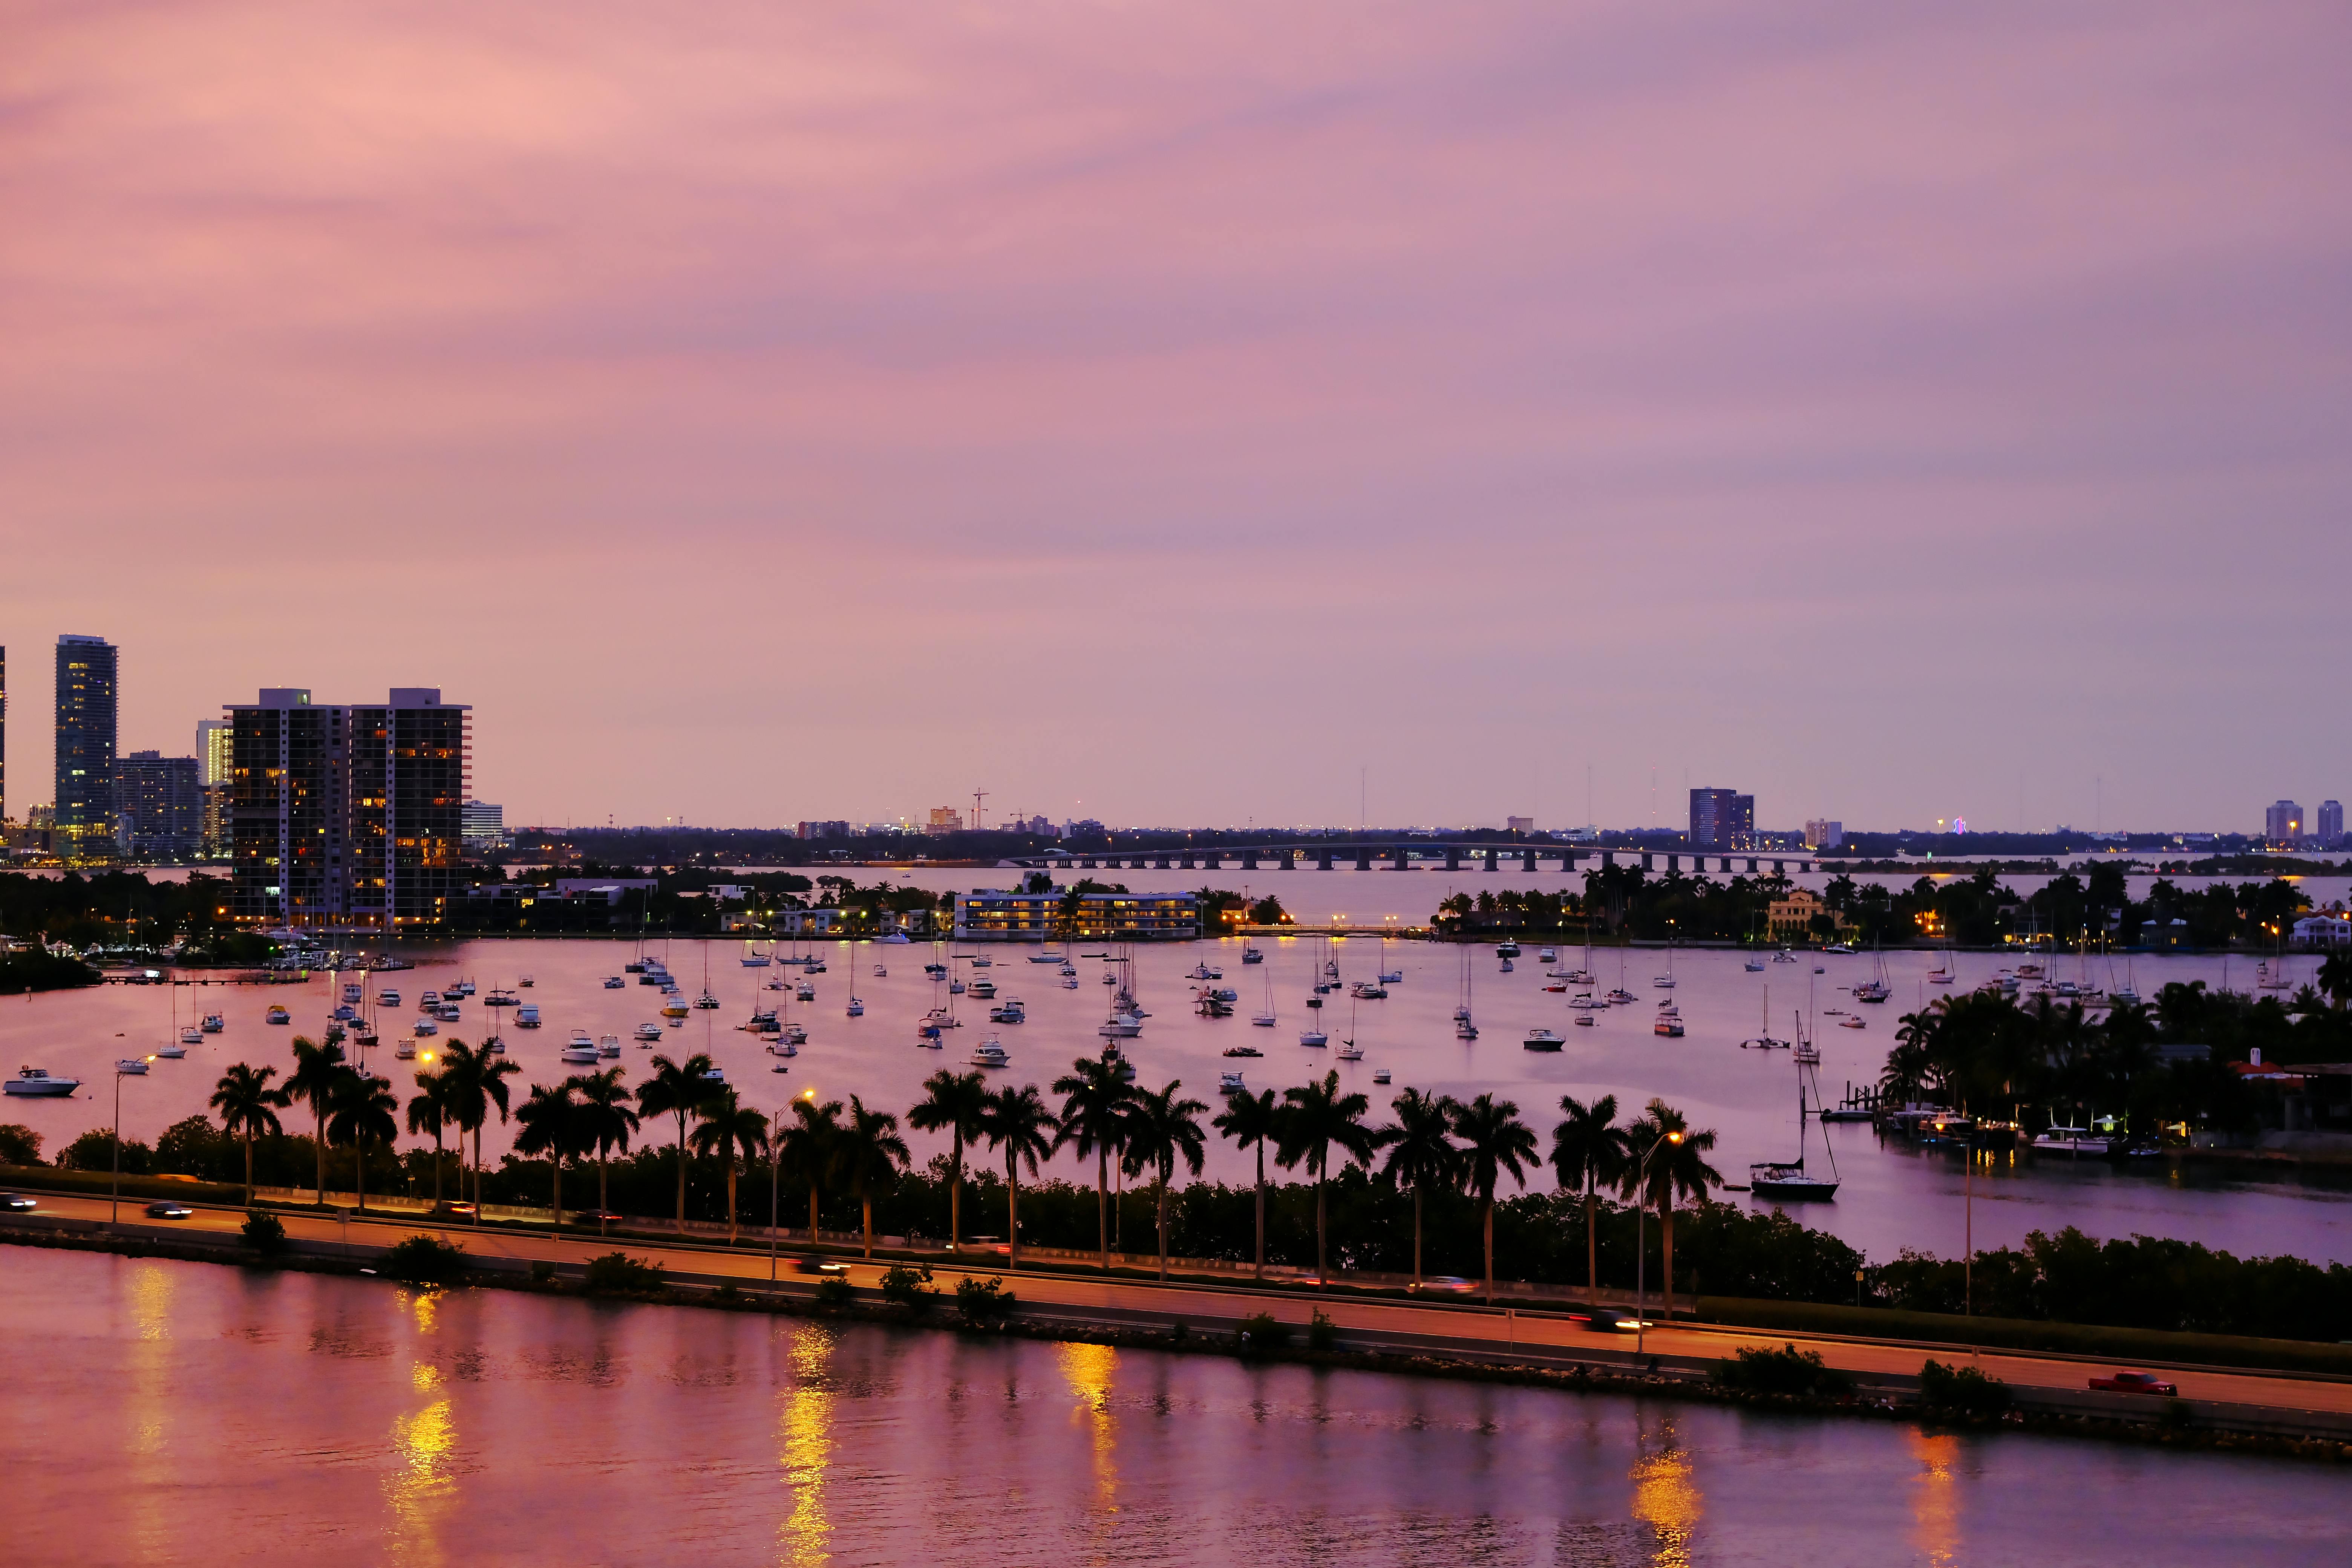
(681, 1171)
(359, 1171)
(320, 1106)
(1257, 1271)
(731, 1200)
(1102, 1203)
(1322, 1269)
(1486, 1208)
(1417, 1238)
(558, 1162)
(865, 1205)
(477, 1172)
(436, 1167)
(812, 1213)
(1592, 1251)
(1666, 1224)
(249, 1168)
(955, 1199)
(602, 1207)
(1162, 1184)
(1013, 1210)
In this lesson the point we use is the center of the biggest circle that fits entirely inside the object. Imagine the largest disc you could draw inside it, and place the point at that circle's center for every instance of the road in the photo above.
(1457, 1328)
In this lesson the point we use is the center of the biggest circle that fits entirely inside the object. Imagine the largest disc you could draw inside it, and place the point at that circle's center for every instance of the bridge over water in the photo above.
(1451, 856)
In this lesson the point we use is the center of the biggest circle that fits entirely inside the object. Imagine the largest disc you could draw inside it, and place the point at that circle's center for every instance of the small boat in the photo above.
(714, 1075)
(982, 988)
(1463, 1029)
(648, 1032)
(450, 1013)
(1350, 1051)
(982, 961)
(1507, 947)
(855, 1009)
(465, 988)
(405, 1051)
(896, 939)
(424, 1027)
(1667, 1025)
(1583, 1002)
(1754, 967)
(192, 1035)
(1621, 997)
(1368, 992)
(1663, 981)
(37, 1083)
(705, 1001)
(1313, 1038)
(387, 998)
(173, 1051)
(524, 981)
(1506, 966)
(1784, 956)
(990, 1054)
(495, 1046)
(1547, 955)
(881, 971)
(215, 1023)
(1202, 972)
(1380, 1075)
(1119, 1027)
(1544, 1039)
(669, 1010)
(634, 966)
(527, 1016)
(277, 1016)
(1010, 1012)
(1585, 1020)
(1251, 954)
(1070, 983)
(614, 982)
(354, 993)
(131, 1067)
(1069, 969)
(782, 1048)
(430, 999)
(755, 960)
(583, 1050)
(344, 1014)
(608, 1045)
(806, 991)
(794, 1035)
(1231, 1082)
(1262, 1020)
(1852, 1021)
(1242, 1051)
(498, 998)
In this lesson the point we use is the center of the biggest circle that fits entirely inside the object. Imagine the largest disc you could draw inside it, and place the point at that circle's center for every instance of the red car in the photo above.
(2135, 1383)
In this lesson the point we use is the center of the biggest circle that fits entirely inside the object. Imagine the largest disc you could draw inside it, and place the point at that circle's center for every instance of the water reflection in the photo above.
(1665, 1497)
(420, 1489)
(1935, 1507)
(805, 1449)
(1088, 1370)
(152, 1287)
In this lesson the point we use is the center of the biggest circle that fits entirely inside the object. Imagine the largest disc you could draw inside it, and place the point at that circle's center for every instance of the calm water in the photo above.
(165, 1413)
(1891, 1195)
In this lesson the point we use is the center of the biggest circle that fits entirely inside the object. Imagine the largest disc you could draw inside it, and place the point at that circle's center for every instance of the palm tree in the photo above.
(1161, 1130)
(1494, 1140)
(248, 1109)
(431, 1113)
(1676, 1169)
(805, 1149)
(736, 1134)
(1315, 1117)
(361, 1110)
(869, 1154)
(679, 1089)
(951, 1103)
(2334, 977)
(1017, 1121)
(551, 1125)
(606, 1120)
(476, 1086)
(1095, 1098)
(1252, 1122)
(1588, 1151)
(319, 1070)
(1422, 1154)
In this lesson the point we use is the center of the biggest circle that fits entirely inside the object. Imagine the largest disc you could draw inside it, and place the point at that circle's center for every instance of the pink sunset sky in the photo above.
(1163, 413)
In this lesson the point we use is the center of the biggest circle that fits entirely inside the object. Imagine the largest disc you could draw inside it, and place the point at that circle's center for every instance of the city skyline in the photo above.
(1913, 416)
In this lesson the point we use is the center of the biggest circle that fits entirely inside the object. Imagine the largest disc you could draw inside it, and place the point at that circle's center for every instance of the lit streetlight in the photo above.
(114, 1196)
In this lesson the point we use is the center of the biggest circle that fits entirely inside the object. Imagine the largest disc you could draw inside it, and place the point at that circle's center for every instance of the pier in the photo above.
(1324, 856)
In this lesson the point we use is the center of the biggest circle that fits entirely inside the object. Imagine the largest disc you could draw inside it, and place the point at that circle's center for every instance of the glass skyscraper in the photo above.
(86, 803)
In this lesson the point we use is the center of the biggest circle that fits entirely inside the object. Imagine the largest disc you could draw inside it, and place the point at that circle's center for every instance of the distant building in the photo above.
(1520, 825)
(86, 703)
(992, 916)
(160, 805)
(3, 734)
(483, 825)
(945, 819)
(2282, 823)
(1824, 834)
(2325, 931)
(1722, 819)
(829, 829)
(1790, 919)
(212, 776)
(347, 816)
(2330, 823)
(1082, 827)
(1037, 826)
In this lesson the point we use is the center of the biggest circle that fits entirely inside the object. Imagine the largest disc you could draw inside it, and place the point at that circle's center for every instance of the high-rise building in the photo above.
(1722, 819)
(213, 748)
(946, 819)
(3, 734)
(347, 816)
(2282, 823)
(1822, 833)
(484, 826)
(2330, 823)
(85, 750)
(160, 805)
(1519, 824)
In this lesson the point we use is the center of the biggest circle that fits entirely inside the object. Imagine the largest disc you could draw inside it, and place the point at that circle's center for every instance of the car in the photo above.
(825, 1266)
(1609, 1321)
(1445, 1285)
(594, 1217)
(2135, 1382)
(457, 1206)
(166, 1209)
(17, 1202)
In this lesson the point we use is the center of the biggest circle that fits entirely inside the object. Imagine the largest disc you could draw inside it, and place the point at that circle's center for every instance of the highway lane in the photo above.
(1437, 1327)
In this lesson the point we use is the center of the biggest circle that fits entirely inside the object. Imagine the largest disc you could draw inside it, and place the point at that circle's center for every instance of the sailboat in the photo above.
(1265, 1018)
(1764, 1042)
(1348, 1050)
(1388, 976)
(1876, 988)
(1790, 1179)
(1463, 1029)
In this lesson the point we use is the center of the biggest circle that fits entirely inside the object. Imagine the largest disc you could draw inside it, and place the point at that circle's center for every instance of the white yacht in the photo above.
(608, 1045)
(989, 1054)
(1543, 1040)
(1119, 1027)
(647, 1033)
(424, 1027)
(1231, 1082)
(405, 1051)
(527, 1016)
(387, 997)
(215, 1023)
(37, 1083)
(1350, 1051)
(1311, 1037)
(131, 1067)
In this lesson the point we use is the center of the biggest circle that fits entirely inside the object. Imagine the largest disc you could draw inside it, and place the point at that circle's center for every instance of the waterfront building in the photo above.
(946, 819)
(160, 805)
(86, 711)
(212, 737)
(1722, 819)
(2323, 931)
(991, 915)
(1790, 919)
(2330, 825)
(2282, 823)
(484, 826)
(347, 816)
(1822, 833)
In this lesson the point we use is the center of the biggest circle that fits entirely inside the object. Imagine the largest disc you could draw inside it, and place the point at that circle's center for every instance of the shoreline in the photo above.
(2177, 1423)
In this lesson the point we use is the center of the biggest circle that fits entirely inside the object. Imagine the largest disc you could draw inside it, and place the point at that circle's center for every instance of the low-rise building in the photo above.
(1790, 919)
(2323, 931)
(991, 915)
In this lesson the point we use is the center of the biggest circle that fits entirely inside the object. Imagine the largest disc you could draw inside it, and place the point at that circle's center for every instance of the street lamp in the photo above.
(114, 1196)
(1641, 1249)
(775, 1182)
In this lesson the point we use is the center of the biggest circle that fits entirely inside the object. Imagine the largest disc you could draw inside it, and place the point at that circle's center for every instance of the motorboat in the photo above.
(714, 1075)
(648, 1032)
(1556, 987)
(524, 981)
(669, 1010)
(1547, 955)
(1544, 1039)
(608, 1045)
(1070, 983)
(614, 982)
(1504, 967)
(498, 998)
(463, 988)
(982, 988)
(1202, 972)
(450, 1013)
(1784, 956)
(580, 1040)
(354, 993)
(387, 997)
(1252, 955)
(1009, 1012)
(1069, 969)
(1507, 947)
(1119, 1027)
(277, 1016)
(37, 1083)
(2074, 1141)
(424, 1027)
(782, 1048)
(1667, 1025)
(431, 999)
(215, 1023)
(990, 1054)
(1583, 1002)
(1852, 1021)
(634, 966)
(1621, 997)
(1231, 1082)
(1367, 990)
(1463, 1029)
(806, 991)
(794, 1035)
(1587, 1020)
(495, 1046)
(1754, 967)
(580, 1051)
(855, 1009)
(344, 1014)
(982, 961)
(1380, 1075)
(527, 1016)
(1242, 1051)
(812, 966)
(1313, 1038)
(131, 1067)
(705, 1001)
(896, 939)
(405, 1051)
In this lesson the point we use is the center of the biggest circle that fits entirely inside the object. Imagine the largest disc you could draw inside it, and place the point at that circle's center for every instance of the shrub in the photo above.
(1262, 1332)
(542, 1271)
(19, 1144)
(1785, 1371)
(1965, 1391)
(834, 1291)
(618, 1274)
(264, 1232)
(1320, 1333)
(983, 1303)
(425, 1260)
(726, 1294)
(94, 1151)
(909, 1286)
